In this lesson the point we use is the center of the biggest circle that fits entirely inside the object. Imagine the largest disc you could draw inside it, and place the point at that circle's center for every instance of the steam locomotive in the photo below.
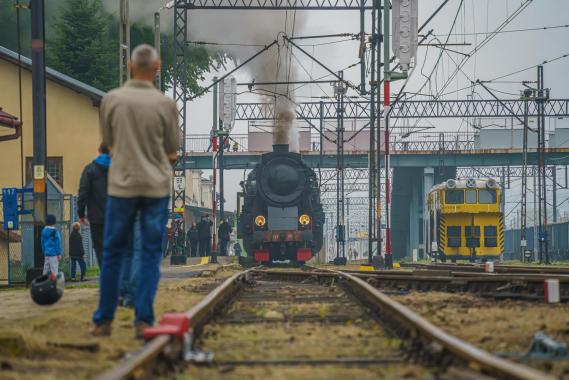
(281, 220)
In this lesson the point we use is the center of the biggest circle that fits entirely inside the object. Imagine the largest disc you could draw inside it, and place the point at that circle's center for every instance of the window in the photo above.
(472, 236)
(470, 197)
(490, 233)
(472, 231)
(453, 236)
(454, 197)
(53, 167)
(487, 196)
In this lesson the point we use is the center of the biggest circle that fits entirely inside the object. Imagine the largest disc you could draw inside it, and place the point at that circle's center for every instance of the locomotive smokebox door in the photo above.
(283, 218)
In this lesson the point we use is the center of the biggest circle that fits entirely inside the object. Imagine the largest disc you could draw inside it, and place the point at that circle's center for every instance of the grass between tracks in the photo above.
(47, 342)
(506, 326)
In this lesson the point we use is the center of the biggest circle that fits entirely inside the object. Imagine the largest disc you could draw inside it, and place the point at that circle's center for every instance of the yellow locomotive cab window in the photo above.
(487, 196)
(470, 197)
(454, 197)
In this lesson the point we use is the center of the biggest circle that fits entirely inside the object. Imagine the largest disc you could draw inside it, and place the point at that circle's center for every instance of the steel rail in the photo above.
(418, 327)
(474, 275)
(198, 316)
(528, 287)
(417, 332)
(200, 313)
(498, 268)
(141, 359)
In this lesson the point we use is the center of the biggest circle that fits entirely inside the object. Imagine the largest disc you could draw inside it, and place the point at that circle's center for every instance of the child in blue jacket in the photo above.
(51, 246)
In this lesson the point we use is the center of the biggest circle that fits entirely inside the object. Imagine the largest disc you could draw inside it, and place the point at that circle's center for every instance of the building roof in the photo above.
(73, 84)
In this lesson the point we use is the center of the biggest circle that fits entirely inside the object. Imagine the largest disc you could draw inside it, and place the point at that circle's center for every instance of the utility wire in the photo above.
(509, 31)
(497, 79)
(484, 42)
(428, 78)
(530, 67)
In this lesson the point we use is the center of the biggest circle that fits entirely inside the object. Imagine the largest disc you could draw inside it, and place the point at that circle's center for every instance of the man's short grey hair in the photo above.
(144, 57)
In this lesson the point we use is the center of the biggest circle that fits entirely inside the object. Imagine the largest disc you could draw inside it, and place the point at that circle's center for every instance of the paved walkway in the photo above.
(194, 267)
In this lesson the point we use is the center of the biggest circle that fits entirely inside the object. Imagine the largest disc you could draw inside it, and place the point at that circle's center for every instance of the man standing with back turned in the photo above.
(140, 126)
(93, 197)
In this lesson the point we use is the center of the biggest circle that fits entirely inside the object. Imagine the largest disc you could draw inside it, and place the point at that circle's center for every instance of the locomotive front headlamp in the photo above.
(260, 220)
(304, 219)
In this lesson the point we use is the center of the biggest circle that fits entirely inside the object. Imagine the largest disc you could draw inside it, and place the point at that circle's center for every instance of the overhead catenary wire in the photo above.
(509, 31)
(484, 42)
(428, 77)
(497, 79)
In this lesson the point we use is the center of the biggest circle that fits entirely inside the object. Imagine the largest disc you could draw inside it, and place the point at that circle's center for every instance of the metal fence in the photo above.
(17, 246)
(418, 141)
(558, 242)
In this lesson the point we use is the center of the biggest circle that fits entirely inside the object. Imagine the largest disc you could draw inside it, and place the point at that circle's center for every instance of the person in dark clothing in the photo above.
(204, 235)
(76, 252)
(180, 239)
(93, 198)
(192, 240)
(237, 249)
(224, 233)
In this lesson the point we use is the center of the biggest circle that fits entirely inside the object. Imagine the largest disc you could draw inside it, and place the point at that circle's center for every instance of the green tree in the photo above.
(199, 60)
(82, 42)
(9, 29)
(82, 45)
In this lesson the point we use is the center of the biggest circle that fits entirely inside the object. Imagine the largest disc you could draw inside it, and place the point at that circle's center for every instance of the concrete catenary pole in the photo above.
(387, 105)
(124, 41)
(213, 164)
(523, 238)
(158, 79)
(39, 132)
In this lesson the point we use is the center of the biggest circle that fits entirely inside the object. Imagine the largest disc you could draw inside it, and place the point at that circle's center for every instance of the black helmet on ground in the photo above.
(45, 290)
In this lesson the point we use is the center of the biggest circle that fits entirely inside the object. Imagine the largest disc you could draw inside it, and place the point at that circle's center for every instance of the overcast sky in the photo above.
(475, 20)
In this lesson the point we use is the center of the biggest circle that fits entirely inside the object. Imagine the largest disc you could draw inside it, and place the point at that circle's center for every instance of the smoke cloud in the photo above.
(240, 34)
(245, 33)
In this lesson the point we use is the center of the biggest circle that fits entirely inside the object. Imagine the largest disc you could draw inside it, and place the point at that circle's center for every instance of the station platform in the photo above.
(194, 267)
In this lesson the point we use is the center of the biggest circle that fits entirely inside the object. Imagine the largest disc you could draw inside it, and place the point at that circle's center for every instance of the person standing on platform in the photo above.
(192, 240)
(92, 198)
(204, 235)
(139, 124)
(224, 233)
(237, 249)
(180, 237)
(76, 252)
(51, 247)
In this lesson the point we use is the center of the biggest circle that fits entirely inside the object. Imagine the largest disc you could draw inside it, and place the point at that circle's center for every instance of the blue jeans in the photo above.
(130, 267)
(82, 266)
(119, 222)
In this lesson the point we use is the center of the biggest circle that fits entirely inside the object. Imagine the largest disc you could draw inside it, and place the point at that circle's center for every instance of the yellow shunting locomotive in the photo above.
(466, 220)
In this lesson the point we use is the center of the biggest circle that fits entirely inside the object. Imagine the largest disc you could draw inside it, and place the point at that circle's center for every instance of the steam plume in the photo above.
(258, 29)
(241, 34)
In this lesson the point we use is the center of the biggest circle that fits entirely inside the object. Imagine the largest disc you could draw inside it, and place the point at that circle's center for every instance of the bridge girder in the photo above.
(410, 109)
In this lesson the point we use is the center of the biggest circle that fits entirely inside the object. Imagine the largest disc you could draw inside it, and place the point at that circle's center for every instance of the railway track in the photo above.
(523, 286)
(267, 318)
(498, 268)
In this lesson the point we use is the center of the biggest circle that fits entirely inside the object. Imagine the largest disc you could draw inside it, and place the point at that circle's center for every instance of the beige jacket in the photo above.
(140, 124)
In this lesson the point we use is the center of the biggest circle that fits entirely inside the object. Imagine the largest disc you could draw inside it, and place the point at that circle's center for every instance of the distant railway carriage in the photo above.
(281, 219)
(466, 220)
